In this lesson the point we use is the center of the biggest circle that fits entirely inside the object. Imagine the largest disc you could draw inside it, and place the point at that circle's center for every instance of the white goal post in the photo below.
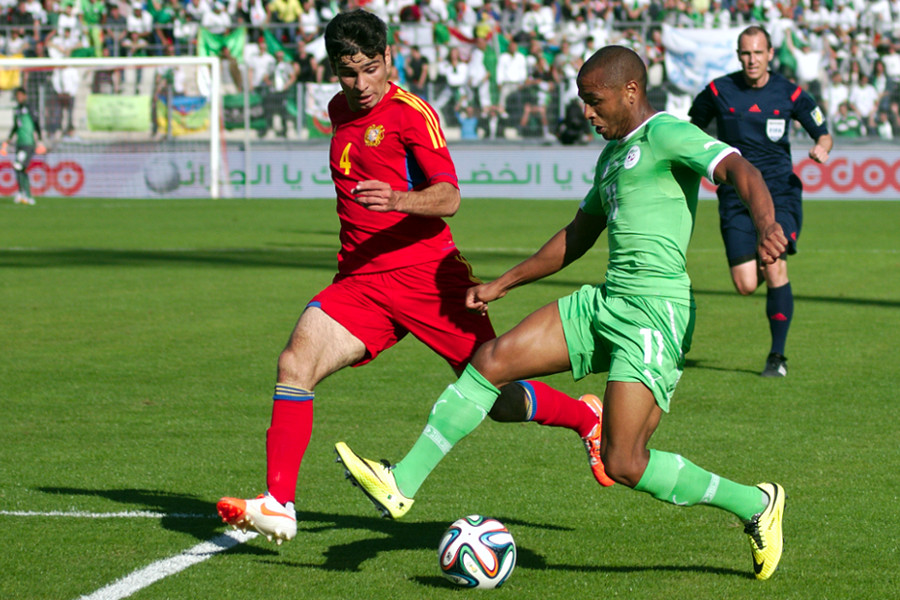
(130, 69)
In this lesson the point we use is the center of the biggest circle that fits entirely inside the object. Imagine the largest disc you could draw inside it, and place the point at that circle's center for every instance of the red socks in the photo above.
(552, 407)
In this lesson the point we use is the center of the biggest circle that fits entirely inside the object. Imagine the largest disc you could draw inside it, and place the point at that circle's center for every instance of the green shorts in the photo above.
(635, 338)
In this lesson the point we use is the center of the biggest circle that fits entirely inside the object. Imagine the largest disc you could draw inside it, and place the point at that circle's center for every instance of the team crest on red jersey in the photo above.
(374, 134)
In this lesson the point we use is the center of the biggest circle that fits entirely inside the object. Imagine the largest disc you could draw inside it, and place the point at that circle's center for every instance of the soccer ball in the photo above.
(161, 175)
(477, 552)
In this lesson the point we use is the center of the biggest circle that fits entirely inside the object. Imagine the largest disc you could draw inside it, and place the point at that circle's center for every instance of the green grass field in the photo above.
(137, 359)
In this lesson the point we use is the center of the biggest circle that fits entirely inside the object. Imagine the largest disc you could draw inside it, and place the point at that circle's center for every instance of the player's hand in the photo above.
(818, 154)
(374, 195)
(772, 244)
(3, 149)
(40, 148)
(477, 297)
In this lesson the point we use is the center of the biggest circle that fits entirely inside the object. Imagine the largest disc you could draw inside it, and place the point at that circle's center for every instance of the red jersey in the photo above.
(400, 142)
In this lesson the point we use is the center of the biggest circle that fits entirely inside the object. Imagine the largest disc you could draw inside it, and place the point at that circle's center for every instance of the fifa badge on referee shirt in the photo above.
(374, 134)
(775, 129)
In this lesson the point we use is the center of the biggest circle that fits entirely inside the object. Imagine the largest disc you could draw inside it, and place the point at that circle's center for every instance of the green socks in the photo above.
(457, 412)
(674, 479)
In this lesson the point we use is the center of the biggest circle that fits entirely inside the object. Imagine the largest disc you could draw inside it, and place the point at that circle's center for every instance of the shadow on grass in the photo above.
(181, 512)
(699, 364)
(321, 258)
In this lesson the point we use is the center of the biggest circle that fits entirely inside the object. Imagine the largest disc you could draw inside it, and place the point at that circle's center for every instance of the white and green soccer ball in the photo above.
(477, 552)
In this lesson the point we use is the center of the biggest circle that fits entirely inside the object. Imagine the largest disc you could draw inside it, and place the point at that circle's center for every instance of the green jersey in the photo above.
(24, 126)
(646, 185)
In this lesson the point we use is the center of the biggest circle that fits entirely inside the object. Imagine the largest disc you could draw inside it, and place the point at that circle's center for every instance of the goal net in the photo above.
(119, 127)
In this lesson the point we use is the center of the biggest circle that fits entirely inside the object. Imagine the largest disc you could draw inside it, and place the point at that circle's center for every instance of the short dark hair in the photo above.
(353, 32)
(620, 65)
(755, 30)
(20, 89)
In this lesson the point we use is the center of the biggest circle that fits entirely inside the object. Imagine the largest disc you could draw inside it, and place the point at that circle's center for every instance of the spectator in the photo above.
(716, 17)
(138, 23)
(480, 86)
(835, 94)
(453, 75)
(512, 72)
(536, 91)
(184, 32)
(576, 31)
(115, 30)
(93, 14)
(260, 65)
(197, 8)
(417, 72)
(884, 127)
(68, 20)
(163, 13)
(287, 13)
(310, 26)
(847, 123)
(232, 78)
(891, 61)
(864, 98)
(306, 67)
(106, 81)
(280, 90)
(22, 20)
(464, 18)
(65, 81)
(809, 65)
(398, 66)
(216, 21)
(816, 21)
(539, 20)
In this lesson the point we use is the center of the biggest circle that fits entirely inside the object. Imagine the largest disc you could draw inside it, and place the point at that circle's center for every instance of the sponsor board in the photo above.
(484, 172)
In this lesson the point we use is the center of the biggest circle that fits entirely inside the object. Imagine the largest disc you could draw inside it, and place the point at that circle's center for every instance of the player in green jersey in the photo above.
(637, 326)
(27, 132)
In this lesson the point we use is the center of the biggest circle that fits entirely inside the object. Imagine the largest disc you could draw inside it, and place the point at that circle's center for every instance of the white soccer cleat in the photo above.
(263, 513)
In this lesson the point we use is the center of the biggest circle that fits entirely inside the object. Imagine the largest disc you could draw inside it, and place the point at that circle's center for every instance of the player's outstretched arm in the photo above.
(737, 171)
(438, 200)
(566, 246)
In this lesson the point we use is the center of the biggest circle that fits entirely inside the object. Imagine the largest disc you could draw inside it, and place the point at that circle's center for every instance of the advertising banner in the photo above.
(115, 112)
(484, 172)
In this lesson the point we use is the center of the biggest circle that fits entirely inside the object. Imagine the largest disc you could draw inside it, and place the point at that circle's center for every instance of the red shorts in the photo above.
(426, 300)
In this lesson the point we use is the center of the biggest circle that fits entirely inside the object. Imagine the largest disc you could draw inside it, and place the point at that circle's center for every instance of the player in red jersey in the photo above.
(399, 272)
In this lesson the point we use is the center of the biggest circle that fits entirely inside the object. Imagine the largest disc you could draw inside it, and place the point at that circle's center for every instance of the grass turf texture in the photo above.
(139, 345)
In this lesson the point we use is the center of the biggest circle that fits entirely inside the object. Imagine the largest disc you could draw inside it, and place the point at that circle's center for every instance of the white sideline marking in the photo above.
(144, 514)
(152, 573)
(138, 580)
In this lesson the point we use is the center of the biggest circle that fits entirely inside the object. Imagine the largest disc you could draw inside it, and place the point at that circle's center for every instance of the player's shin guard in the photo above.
(676, 480)
(551, 407)
(287, 439)
(457, 412)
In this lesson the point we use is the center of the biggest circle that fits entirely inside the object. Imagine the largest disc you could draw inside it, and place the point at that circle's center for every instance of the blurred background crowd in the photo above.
(492, 69)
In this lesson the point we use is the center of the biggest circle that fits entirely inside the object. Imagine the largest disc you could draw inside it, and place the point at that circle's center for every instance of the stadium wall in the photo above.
(530, 172)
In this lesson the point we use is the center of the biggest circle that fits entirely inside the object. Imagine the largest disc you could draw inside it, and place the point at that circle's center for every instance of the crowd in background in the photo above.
(488, 66)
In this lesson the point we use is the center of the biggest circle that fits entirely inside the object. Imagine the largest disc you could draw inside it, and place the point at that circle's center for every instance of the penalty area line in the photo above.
(138, 580)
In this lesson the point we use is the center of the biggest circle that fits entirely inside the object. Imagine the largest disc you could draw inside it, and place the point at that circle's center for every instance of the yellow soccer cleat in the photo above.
(375, 480)
(764, 529)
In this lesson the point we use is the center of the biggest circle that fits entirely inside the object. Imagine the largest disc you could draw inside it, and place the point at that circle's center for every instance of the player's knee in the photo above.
(291, 368)
(622, 467)
(745, 288)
